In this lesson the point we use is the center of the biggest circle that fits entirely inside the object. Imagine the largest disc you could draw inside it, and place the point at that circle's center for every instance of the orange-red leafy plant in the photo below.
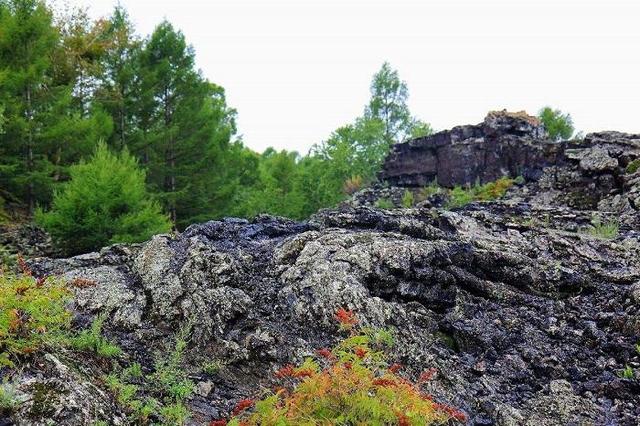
(351, 384)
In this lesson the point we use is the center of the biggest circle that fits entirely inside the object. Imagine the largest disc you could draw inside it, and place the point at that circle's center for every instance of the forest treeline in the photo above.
(68, 82)
(110, 136)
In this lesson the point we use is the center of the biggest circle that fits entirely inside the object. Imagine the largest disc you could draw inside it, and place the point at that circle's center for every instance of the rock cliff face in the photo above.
(527, 319)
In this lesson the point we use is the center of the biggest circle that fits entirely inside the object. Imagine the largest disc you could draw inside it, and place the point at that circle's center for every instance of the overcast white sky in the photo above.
(297, 69)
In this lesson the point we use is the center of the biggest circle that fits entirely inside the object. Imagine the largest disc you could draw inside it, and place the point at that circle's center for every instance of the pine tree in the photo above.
(117, 91)
(185, 128)
(105, 202)
(45, 129)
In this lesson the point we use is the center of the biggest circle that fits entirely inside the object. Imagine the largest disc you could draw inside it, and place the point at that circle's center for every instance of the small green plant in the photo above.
(459, 197)
(91, 340)
(32, 313)
(606, 231)
(408, 199)
(212, 367)
(633, 166)
(169, 383)
(626, 373)
(384, 203)
(8, 397)
(7, 260)
(432, 189)
(141, 410)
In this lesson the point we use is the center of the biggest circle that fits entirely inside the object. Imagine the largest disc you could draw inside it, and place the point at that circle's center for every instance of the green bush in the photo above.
(407, 199)
(32, 313)
(105, 202)
(384, 203)
(606, 231)
(459, 197)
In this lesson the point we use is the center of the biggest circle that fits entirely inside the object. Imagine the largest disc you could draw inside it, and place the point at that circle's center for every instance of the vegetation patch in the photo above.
(605, 231)
(91, 340)
(169, 386)
(32, 313)
(384, 203)
(351, 384)
(459, 196)
(633, 166)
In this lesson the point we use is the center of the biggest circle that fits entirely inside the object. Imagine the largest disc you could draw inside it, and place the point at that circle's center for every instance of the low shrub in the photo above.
(408, 199)
(352, 185)
(32, 313)
(91, 340)
(351, 384)
(605, 231)
(384, 203)
(459, 196)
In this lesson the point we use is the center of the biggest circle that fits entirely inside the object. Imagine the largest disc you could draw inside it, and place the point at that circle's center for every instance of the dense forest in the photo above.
(109, 136)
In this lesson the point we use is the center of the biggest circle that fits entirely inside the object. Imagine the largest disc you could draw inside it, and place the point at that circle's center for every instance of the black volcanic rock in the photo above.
(504, 144)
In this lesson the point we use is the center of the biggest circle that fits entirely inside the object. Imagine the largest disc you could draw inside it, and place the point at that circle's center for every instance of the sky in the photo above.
(298, 69)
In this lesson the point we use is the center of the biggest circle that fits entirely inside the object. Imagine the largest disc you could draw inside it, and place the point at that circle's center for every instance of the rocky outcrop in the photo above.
(528, 319)
(504, 144)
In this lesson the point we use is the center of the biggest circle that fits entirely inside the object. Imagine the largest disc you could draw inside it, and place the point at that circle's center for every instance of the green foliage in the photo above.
(104, 202)
(633, 166)
(627, 373)
(45, 127)
(169, 384)
(408, 199)
(8, 397)
(558, 125)
(7, 259)
(32, 313)
(459, 197)
(384, 203)
(91, 340)
(212, 367)
(605, 231)
(351, 384)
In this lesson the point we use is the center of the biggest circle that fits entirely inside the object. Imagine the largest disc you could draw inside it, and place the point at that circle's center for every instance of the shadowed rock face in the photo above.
(504, 144)
(527, 320)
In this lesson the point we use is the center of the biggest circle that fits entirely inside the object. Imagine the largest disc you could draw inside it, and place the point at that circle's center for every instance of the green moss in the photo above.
(46, 398)
(633, 166)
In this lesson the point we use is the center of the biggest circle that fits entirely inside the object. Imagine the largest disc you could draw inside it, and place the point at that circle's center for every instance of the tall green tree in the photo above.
(44, 133)
(105, 202)
(388, 104)
(558, 124)
(185, 127)
(117, 93)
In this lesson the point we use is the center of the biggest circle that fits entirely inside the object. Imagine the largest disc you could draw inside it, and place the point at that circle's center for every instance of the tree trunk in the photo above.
(30, 159)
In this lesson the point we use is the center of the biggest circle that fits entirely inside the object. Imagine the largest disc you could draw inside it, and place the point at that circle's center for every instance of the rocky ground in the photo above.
(528, 318)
